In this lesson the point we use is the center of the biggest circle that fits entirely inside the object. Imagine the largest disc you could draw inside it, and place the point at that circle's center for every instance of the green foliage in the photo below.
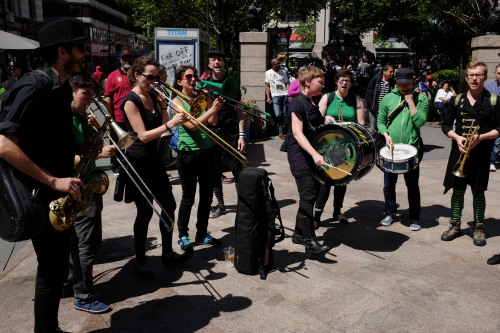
(450, 75)
(307, 32)
(226, 18)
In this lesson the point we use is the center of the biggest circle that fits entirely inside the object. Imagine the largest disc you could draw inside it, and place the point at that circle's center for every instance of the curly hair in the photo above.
(139, 67)
(179, 73)
(82, 81)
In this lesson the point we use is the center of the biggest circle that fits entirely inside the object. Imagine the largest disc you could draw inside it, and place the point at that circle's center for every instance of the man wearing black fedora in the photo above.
(37, 138)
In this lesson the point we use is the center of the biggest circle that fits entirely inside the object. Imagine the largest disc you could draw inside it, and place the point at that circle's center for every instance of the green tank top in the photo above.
(192, 140)
(347, 106)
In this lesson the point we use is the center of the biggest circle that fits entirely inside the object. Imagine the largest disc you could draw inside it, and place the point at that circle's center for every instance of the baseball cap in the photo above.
(97, 68)
(126, 54)
(404, 75)
(215, 53)
(61, 31)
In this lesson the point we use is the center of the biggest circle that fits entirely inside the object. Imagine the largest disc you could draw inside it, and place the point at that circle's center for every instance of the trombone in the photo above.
(229, 91)
(195, 104)
(125, 140)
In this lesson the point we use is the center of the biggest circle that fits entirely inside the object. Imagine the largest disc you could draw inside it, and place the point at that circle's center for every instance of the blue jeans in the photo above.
(280, 106)
(411, 180)
(495, 150)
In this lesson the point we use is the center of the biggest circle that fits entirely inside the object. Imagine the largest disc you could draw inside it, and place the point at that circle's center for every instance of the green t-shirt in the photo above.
(82, 131)
(347, 106)
(192, 140)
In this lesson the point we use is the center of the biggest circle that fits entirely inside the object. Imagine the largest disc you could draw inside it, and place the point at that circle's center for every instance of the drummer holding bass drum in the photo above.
(401, 114)
(305, 117)
(341, 106)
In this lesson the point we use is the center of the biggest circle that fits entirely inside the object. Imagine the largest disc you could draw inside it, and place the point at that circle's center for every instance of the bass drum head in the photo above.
(340, 149)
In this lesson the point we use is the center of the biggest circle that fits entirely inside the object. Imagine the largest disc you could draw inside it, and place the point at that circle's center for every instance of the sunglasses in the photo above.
(151, 77)
(190, 76)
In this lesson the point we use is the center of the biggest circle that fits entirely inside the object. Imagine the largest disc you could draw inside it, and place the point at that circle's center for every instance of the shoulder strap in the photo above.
(331, 97)
(272, 207)
(493, 99)
(457, 98)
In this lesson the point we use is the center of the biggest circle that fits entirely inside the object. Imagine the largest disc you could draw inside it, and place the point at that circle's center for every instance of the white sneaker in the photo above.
(387, 221)
(414, 226)
(493, 168)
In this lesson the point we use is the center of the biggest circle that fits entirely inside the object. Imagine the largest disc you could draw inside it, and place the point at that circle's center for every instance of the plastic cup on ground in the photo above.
(229, 256)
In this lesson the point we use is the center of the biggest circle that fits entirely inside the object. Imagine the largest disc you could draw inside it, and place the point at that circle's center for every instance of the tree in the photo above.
(225, 18)
(433, 29)
(307, 32)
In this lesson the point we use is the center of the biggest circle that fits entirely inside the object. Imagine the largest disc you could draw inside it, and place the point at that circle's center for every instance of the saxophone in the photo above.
(63, 211)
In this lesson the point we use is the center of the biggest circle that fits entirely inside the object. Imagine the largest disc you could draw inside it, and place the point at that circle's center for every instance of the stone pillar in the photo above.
(322, 32)
(254, 47)
(487, 49)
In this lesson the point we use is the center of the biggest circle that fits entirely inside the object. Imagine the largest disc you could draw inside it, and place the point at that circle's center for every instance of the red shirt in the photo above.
(117, 87)
(98, 75)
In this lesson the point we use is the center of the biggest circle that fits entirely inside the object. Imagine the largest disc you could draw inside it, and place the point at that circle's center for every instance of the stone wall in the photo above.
(487, 49)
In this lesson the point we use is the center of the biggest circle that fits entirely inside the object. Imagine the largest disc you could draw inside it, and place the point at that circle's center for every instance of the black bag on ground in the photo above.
(256, 229)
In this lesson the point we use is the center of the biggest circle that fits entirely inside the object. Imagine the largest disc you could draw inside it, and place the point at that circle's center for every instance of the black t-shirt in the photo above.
(228, 117)
(138, 149)
(42, 120)
(311, 118)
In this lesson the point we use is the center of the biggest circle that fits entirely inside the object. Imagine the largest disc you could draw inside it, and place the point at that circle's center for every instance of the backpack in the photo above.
(256, 231)
(493, 99)
(46, 82)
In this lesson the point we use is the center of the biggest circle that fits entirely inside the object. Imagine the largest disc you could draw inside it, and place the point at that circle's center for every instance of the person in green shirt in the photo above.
(401, 114)
(341, 105)
(87, 237)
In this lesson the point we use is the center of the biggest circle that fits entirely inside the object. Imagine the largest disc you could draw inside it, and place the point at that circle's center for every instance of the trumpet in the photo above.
(125, 140)
(458, 169)
(191, 118)
(229, 90)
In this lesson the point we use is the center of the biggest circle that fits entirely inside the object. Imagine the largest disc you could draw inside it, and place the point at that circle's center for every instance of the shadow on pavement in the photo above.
(174, 314)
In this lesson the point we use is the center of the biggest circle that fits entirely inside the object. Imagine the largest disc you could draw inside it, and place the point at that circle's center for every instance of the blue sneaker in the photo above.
(185, 244)
(92, 307)
(208, 240)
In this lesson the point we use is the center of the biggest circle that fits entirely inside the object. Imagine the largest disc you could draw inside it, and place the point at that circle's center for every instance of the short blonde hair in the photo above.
(308, 74)
(474, 64)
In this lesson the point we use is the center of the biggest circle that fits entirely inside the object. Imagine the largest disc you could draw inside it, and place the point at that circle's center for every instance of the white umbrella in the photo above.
(10, 41)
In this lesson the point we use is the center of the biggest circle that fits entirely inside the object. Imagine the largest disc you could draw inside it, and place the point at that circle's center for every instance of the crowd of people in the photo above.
(48, 110)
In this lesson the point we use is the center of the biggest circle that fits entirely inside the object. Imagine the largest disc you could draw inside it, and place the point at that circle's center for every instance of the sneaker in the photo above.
(217, 211)
(226, 180)
(387, 221)
(414, 225)
(143, 271)
(281, 136)
(185, 244)
(92, 307)
(208, 240)
(493, 168)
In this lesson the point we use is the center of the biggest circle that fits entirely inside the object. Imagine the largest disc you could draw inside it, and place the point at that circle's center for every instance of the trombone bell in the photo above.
(125, 139)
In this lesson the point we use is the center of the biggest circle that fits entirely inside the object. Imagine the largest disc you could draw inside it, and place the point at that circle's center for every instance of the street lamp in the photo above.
(288, 34)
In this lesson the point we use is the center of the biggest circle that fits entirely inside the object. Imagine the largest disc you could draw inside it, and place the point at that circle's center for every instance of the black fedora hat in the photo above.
(62, 31)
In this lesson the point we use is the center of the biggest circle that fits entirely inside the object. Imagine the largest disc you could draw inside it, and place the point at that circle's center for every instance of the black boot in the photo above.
(452, 232)
(311, 243)
(298, 235)
(317, 218)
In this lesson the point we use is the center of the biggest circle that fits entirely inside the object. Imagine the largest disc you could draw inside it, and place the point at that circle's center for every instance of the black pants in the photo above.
(308, 188)
(338, 197)
(85, 244)
(52, 248)
(195, 167)
(155, 177)
(234, 165)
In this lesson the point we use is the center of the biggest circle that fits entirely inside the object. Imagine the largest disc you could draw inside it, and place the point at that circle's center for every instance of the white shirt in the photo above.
(441, 93)
(277, 82)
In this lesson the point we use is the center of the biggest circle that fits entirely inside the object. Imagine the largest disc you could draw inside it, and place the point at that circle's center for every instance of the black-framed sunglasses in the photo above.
(151, 77)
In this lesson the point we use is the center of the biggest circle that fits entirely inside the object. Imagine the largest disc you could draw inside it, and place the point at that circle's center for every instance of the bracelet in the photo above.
(164, 108)
(168, 128)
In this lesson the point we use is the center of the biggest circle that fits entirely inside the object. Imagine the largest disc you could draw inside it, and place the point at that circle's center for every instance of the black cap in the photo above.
(126, 54)
(62, 31)
(404, 75)
(215, 53)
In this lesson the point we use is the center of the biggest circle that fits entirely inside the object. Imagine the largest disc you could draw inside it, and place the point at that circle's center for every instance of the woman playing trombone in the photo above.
(147, 116)
(195, 162)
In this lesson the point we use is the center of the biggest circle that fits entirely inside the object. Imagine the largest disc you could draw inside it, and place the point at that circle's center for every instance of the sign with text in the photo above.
(173, 55)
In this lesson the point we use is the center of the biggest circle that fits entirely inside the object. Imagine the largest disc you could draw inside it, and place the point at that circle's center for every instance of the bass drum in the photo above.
(347, 146)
